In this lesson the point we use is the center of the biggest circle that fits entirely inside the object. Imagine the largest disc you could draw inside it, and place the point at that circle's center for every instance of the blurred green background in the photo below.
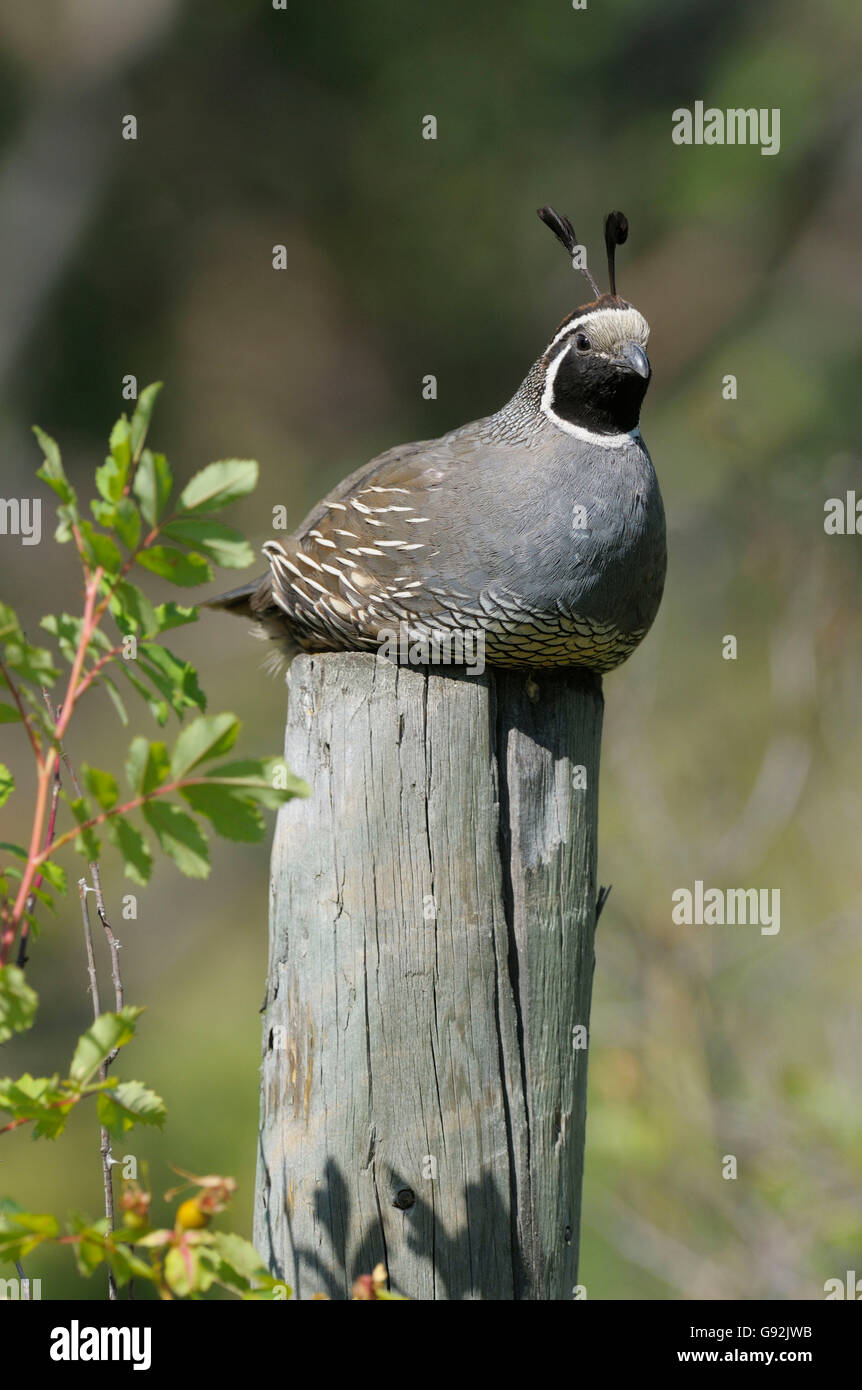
(408, 257)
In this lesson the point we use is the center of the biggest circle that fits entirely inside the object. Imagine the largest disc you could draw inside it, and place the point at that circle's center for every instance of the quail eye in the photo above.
(582, 342)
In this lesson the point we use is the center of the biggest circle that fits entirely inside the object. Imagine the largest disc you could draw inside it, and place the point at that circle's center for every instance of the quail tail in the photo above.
(237, 601)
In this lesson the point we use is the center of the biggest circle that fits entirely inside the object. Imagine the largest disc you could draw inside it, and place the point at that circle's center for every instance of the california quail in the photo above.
(540, 526)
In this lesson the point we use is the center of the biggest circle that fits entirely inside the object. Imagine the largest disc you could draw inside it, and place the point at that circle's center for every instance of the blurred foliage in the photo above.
(406, 257)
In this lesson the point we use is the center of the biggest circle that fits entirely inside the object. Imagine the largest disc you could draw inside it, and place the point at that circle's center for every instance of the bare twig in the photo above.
(105, 1138)
(95, 874)
(113, 944)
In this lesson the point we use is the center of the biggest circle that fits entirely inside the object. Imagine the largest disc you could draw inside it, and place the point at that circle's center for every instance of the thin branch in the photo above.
(114, 946)
(95, 874)
(64, 1101)
(83, 890)
(88, 626)
(47, 766)
(114, 950)
(105, 1138)
(94, 670)
(34, 742)
(37, 881)
(34, 857)
(123, 810)
(79, 543)
(126, 566)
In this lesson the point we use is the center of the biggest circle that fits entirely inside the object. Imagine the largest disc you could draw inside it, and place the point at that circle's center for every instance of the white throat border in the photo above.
(604, 441)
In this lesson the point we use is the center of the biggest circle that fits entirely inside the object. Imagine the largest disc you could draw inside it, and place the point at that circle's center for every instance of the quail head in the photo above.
(539, 529)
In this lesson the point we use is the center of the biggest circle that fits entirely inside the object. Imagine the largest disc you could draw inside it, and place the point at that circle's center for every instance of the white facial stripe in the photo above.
(623, 323)
(605, 441)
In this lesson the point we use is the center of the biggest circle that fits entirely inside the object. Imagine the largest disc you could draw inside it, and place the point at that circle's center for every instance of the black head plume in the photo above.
(565, 232)
(616, 232)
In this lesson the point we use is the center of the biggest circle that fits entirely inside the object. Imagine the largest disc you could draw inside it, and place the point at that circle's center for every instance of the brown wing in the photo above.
(362, 559)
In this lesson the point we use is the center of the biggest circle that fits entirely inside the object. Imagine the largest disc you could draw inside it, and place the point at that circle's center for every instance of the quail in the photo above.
(540, 527)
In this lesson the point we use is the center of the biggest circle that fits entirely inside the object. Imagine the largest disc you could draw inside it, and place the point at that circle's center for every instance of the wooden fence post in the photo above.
(428, 996)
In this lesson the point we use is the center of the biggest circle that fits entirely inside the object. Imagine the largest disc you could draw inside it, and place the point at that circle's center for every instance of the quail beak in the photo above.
(632, 358)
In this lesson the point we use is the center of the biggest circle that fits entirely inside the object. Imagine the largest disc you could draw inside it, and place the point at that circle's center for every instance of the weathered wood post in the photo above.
(431, 962)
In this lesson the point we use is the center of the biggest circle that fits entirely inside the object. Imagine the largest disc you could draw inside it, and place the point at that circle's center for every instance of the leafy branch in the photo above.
(185, 1260)
(135, 523)
(179, 792)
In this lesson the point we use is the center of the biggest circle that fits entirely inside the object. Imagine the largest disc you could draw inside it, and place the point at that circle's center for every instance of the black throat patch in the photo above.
(591, 391)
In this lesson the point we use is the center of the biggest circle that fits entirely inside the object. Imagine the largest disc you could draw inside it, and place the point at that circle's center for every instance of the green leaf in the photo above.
(235, 817)
(66, 517)
(115, 697)
(120, 447)
(87, 842)
(222, 544)
(9, 624)
(128, 1104)
(158, 708)
(112, 476)
(179, 837)
(136, 762)
(206, 737)
(52, 471)
(184, 568)
(147, 765)
(132, 610)
(32, 663)
(102, 786)
(267, 780)
(152, 486)
(110, 480)
(44, 897)
(171, 614)
(38, 1098)
(90, 1248)
(21, 1231)
(218, 484)
(177, 680)
(53, 874)
(104, 512)
(239, 1255)
(141, 418)
(42, 1222)
(126, 1264)
(9, 714)
(18, 1002)
(101, 549)
(7, 783)
(105, 1033)
(182, 1270)
(138, 862)
(67, 631)
(128, 522)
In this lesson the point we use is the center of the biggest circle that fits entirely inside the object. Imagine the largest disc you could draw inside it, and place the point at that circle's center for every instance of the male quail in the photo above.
(540, 527)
